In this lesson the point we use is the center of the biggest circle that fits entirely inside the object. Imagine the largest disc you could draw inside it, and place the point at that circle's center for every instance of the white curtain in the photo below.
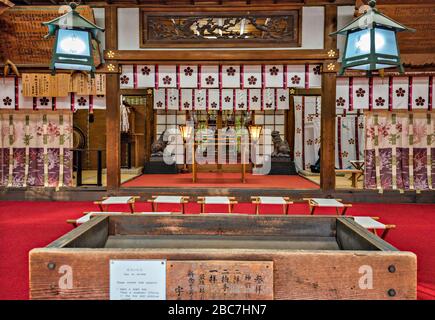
(349, 140)
(349, 129)
(307, 131)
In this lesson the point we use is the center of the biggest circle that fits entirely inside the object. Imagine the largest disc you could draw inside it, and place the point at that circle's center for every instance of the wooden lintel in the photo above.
(245, 56)
(213, 4)
(306, 92)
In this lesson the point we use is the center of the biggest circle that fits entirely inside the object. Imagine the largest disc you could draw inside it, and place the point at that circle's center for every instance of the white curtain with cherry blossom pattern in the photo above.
(349, 133)
(349, 142)
(307, 131)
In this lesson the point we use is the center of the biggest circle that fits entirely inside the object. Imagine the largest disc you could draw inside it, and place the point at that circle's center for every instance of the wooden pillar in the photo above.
(149, 123)
(290, 126)
(113, 135)
(329, 81)
(219, 124)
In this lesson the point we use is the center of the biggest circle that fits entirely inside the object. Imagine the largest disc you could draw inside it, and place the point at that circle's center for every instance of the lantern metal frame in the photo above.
(72, 20)
(372, 20)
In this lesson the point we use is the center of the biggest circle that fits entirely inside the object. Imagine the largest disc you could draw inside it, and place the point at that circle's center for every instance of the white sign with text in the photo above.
(137, 279)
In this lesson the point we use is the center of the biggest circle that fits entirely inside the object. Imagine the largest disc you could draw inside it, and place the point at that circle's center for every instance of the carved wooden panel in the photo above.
(217, 29)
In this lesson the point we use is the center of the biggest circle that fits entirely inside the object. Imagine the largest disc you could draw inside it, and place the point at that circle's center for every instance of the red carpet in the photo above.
(26, 225)
(221, 180)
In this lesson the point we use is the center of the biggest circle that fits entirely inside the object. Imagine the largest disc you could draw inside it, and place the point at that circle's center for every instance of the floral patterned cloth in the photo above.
(32, 148)
(400, 150)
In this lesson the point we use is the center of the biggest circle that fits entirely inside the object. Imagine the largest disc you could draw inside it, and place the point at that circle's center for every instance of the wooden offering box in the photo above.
(223, 256)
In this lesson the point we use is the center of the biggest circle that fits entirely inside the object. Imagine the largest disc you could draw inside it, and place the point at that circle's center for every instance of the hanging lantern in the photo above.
(186, 131)
(254, 132)
(371, 42)
(73, 48)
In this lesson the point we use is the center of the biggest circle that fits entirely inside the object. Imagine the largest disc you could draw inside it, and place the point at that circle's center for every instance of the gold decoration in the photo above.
(292, 91)
(110, 54)
(331, 67)
(331, 53)
(111, 67)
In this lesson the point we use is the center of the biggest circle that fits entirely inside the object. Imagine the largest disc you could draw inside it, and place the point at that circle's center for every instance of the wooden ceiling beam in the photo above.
(245, 56)
(126, 3)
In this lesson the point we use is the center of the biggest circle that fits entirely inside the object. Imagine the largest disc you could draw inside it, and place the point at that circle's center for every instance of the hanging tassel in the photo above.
(10, 66)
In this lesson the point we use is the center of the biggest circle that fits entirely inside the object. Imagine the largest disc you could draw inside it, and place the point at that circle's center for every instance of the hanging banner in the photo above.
(13, 89)
(220, 76)
(385, 93)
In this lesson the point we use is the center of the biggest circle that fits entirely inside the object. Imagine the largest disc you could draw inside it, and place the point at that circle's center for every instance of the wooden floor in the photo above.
(89, 177)
(341, 182)
(223, 180)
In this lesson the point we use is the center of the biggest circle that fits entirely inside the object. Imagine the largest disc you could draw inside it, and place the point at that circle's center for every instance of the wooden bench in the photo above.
(230, 201)
(371, 223)
(355, 174)
(284, 201)
(104, 204)
(88, 216)
(182, 200)
(329, 203)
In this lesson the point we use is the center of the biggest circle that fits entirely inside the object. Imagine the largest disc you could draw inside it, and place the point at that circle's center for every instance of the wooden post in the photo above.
(149, 123)
(329, 80)
(219, 124)
(290, 125)
(113, 135)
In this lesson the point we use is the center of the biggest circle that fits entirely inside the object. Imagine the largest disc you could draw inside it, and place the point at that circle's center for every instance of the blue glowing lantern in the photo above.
(371, 42)
(73, 48)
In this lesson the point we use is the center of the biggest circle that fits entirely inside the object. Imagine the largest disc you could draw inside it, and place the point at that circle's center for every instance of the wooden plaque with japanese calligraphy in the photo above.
(219, 280)
(416, 48)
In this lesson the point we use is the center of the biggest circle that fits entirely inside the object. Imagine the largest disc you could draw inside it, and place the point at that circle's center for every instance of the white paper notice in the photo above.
(137, 279)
